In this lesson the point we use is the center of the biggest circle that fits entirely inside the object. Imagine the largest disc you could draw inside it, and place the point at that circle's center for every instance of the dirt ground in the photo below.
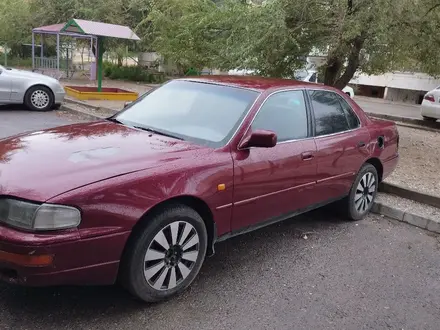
(419, 164)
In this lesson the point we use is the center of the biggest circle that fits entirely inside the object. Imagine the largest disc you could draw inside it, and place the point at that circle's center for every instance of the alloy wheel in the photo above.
(365, 192)
(171, 255)
(40, 99)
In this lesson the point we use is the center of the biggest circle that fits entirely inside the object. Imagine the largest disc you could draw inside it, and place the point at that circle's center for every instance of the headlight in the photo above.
(38, 217)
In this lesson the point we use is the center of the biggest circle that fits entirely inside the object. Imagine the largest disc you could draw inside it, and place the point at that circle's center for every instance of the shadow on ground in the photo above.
(80, 305)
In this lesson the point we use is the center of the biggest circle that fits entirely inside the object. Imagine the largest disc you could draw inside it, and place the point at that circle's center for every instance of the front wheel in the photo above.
(39, 98)
(363, 193)
(165, 256)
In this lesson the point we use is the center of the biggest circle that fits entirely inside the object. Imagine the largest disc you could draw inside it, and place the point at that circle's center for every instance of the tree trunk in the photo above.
(332, 70)
(353, 63)
(120, 60)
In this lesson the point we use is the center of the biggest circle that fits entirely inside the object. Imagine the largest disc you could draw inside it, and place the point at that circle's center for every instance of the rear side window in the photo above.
(330, 117)
(352, 118)
(285, 114)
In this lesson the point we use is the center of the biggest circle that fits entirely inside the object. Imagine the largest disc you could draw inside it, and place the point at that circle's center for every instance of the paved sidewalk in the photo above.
(380, 106)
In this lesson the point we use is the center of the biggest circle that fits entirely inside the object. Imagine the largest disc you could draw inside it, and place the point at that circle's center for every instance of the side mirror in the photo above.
(259, 139)
(126, 104)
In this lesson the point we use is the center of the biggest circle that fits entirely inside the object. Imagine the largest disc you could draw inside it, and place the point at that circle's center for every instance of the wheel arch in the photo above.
(378, 165)
(37, 85)
(197, 204)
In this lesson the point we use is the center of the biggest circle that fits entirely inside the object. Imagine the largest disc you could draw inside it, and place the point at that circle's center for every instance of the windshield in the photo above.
(203, 113)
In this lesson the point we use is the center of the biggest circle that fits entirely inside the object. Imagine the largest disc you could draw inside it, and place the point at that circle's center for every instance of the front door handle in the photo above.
(307, 156)
(361, 144)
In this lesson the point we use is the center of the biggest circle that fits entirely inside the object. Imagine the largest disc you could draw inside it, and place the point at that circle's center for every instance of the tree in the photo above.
(15, 22)
(274, 37)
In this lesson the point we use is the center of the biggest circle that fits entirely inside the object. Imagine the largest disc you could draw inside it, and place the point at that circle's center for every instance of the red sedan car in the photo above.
(143, 196)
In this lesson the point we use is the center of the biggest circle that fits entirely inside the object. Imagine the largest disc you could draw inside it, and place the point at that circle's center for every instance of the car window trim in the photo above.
(308, 112)
(313, 115)
(244, 115)
(350, 109)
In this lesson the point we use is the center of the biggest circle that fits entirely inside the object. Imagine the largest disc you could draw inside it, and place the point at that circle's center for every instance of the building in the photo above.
(408, 87)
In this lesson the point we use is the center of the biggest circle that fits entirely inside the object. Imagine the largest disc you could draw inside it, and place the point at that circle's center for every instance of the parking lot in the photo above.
(316, 271)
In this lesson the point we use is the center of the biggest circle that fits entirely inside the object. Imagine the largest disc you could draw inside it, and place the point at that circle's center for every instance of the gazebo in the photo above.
(96, 32)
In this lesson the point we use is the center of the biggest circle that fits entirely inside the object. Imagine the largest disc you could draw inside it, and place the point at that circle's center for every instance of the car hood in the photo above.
(43, 164)
(29, 75)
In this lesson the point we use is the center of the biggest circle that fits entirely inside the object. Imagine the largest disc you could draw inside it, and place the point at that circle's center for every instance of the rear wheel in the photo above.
(164, 258)
(429, 118)
(39, 98)
(363, 193)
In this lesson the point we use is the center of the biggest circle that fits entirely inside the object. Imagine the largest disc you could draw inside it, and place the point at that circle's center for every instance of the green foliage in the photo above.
(273, 37)
(131, 73)
(16, 62)
(15, 22)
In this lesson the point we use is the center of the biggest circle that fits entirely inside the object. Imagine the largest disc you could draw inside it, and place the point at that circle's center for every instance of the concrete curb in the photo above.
(410, 194)
(87, 105)
(81, 113)
(84, 104)
(422, 128)
(429, 224)
(419, 122)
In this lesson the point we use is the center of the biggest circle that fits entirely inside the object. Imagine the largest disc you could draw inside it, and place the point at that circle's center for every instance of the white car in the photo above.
(430, 108)
(38, 92)
(312, 76)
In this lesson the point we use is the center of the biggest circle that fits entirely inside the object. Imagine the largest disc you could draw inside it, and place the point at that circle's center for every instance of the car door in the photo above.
(270, 183)
(341, 141)
(5, 87)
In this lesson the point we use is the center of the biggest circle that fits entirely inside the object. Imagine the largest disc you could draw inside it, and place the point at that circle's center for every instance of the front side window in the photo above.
(285, 114)
(202, 113)
(329, 115)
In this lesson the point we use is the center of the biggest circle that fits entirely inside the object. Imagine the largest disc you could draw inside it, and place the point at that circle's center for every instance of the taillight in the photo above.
(429, 97)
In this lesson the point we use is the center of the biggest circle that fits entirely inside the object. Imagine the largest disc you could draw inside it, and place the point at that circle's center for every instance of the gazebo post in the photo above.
(33, 51)
(42, 43)
(58, 52)
(100, 54)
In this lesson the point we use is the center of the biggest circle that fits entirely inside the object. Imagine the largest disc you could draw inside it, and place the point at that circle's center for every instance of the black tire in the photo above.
(56, 107)
(429, 118)
(44, 92)
(352, 201)
(133, 263)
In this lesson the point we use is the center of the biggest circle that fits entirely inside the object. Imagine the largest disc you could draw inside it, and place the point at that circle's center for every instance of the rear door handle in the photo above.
(307, 156)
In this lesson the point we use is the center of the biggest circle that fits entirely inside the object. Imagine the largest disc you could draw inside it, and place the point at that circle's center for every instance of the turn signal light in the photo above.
(26, 260)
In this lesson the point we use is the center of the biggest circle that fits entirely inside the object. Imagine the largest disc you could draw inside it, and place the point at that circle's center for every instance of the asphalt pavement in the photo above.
(316, 271)
(15, 119)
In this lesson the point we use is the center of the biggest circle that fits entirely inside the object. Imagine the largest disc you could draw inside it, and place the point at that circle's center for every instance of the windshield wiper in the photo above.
(151, 130)
(114, 120)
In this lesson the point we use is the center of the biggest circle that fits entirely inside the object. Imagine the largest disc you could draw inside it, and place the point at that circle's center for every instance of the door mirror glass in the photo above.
(259, 139)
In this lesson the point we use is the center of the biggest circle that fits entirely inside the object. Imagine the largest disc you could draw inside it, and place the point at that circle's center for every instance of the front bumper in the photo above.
(61, 258)
(59, 97)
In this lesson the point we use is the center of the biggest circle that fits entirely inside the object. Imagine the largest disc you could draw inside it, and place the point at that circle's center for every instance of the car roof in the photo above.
(256, 83)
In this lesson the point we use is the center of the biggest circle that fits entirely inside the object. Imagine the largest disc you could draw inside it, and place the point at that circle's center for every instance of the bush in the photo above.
(14, 61)
(131, 73)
